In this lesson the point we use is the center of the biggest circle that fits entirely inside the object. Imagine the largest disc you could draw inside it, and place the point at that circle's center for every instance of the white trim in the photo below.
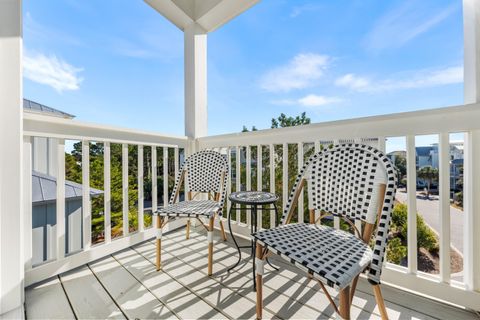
(107, 203)
(444, 205)
(125, 204)
(140, 180)
(60, 205)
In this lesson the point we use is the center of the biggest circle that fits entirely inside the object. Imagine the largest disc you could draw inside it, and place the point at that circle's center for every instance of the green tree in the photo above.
(429, 175)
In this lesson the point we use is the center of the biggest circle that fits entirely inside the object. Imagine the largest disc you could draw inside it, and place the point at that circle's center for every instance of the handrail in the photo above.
(449, 119)
(49, 127)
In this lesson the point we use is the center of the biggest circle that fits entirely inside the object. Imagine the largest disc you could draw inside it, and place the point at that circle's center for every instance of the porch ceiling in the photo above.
(208, 14)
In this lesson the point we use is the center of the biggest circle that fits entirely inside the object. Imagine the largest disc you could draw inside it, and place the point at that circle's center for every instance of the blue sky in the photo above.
(121, 63)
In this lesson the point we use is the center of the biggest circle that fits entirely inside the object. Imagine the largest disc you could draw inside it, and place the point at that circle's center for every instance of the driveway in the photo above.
(429, 210)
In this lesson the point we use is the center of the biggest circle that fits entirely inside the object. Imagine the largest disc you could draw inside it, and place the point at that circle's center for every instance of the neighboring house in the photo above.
(44, 183)
(44, 201)
(456, 174)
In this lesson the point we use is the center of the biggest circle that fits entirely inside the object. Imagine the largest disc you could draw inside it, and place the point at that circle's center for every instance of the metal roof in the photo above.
(34, 107)
(44, 188)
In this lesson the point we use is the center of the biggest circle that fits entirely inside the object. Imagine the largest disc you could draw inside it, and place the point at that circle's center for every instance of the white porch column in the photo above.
(11, 214)
(471, 26)
(195, 81)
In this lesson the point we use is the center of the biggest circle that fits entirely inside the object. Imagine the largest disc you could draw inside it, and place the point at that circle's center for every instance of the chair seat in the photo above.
(194, 208)
(332, 256)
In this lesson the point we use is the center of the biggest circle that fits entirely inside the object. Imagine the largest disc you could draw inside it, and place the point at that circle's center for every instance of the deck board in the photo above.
(132, 297)
(88, 298)
(183, 290)
(47, 301)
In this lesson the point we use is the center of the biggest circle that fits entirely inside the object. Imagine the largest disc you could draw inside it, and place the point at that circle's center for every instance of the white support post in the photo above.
(107, 204)
(195, 81)
(140, 187)
(11, 126)
(86, 203)
(412, 205)
(125, 206)
(471, 51)
(471, 42)
(60, 215)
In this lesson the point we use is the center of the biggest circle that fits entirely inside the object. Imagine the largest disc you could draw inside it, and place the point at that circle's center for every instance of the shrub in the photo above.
(396, 251)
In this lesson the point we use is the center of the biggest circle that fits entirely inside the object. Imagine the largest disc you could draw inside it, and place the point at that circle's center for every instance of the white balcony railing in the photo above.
(375, 131)
(303, 139)
(61, 130)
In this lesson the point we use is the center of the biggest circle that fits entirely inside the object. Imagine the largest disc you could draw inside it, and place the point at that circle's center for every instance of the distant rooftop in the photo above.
(44, 188)
(35, 107)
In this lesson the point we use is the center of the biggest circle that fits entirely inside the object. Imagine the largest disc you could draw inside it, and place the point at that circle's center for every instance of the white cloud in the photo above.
(404, 23)
(410, 80)
(300, 72)
(352, 81)
(311, 100)
(51, 71)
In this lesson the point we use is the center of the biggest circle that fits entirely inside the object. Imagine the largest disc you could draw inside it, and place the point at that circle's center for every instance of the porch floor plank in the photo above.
(132, 296)
(182, 289)
(88, 298)
(47, 300)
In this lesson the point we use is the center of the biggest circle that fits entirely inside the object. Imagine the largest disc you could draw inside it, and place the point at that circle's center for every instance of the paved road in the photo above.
(429, 209)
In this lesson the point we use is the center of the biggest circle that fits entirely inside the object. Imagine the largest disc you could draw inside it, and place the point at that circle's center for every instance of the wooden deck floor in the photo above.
(126, 285)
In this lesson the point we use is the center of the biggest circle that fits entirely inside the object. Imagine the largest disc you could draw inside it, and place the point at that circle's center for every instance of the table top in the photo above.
(253, 197)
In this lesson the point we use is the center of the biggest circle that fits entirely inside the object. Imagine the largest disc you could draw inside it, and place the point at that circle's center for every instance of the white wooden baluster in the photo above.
(176, 165)
(27, 200)
(107, 206)
(336, 220)
(60, 227)
(229, 182)
(317, 213)
(237, 177)
(248, 170)
(300, 165)
(259, 182)
(471, 238)
(271, 159)
(444, 194)
(140, 179)
(86, 203)
(125, 188)
(284, 175)
(165, 176)
(154, 183)
(412, 205)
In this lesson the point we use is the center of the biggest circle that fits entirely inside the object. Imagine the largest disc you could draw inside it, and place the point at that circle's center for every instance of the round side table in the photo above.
(251, 199)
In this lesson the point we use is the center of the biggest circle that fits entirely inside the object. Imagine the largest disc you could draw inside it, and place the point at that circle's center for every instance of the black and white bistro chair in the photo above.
(356, 183)
(203, 173)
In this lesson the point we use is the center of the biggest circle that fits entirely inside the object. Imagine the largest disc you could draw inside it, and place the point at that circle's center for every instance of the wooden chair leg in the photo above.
(187, 236)
(259, 279)
(210, 245)
(380, 302)
(222, 229)
(345, 303)
(158, 261)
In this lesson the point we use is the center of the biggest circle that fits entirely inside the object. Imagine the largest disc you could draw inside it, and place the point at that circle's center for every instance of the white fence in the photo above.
(264, 148)
(61, 130)
(375, 131)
